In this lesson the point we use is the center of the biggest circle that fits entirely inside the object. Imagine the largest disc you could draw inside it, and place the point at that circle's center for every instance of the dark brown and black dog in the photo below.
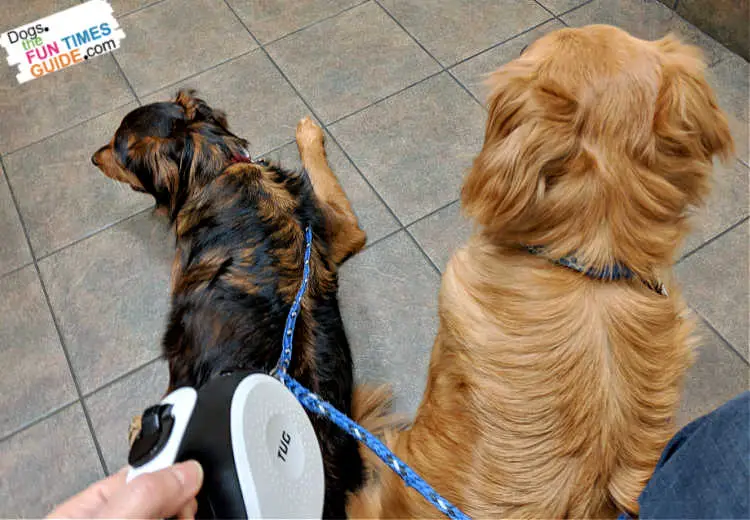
(240, 245)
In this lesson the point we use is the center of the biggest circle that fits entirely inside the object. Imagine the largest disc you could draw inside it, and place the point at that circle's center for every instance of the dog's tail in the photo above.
(371, 408)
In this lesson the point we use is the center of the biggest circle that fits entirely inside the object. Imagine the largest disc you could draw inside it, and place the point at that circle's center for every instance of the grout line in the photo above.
(94, 233)
(391, 234)
(121, 377)
(449, 69)
(316, 22)
(443, 67)
(718, 59)
(127, 81)
(58, 132)
(367, 181)
(275, 149)
(711, 240)
(63, 407)
(726, 342)
(414, 38)
(431, 213)
(466, 89)
(141, 8)
(56, 323)
(39, 419)
(498, 44)
(383, 238)
(424, 253)
(385, 98)
(191, 76)
(388, 13)
(540, 4)
(15, 270)
(587, 2)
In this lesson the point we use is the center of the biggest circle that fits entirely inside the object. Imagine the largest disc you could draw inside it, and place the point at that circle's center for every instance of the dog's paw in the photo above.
(134, 430)
(309, 133)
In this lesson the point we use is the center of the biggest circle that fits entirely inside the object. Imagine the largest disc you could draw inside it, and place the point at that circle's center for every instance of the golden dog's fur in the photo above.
(550, 393)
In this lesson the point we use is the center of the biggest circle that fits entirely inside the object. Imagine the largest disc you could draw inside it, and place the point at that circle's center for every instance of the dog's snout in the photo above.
(94, 161)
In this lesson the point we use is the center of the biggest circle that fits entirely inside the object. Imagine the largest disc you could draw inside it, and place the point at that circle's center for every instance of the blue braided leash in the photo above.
(291, 320)
(318, 406)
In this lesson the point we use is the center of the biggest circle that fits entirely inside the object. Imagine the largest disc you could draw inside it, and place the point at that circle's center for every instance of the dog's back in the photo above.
(571, 384)
(549, 394)
(552, 391)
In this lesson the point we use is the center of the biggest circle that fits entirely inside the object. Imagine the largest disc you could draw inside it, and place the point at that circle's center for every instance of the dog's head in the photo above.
(169, 149)
(597, 143)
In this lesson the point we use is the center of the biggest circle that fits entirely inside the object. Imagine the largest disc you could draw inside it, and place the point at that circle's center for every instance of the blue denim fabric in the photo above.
(704, 472)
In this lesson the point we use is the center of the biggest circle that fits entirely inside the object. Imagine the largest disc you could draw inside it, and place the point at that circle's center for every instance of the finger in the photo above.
(188, 511)
(157, 495)
(91, 500)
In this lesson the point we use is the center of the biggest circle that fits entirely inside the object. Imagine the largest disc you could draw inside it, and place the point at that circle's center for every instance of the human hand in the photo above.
(163, 494)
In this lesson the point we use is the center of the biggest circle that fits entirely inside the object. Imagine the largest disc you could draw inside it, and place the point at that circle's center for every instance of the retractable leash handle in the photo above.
(254, 440)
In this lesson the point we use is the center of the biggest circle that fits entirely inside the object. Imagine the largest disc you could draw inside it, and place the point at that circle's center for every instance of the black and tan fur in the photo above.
(240, 241)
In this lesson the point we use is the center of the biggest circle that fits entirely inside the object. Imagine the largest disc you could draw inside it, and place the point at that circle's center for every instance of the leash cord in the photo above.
(318, 406)
(291, 320)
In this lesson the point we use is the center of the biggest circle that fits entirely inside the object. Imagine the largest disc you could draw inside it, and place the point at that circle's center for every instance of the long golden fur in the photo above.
(550, 393)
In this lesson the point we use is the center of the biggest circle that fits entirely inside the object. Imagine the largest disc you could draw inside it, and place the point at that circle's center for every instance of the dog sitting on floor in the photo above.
(240, 246)
(557, 369)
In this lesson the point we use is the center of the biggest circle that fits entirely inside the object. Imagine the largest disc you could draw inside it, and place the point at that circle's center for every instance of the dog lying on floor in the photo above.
(556, 371)
(240, 245)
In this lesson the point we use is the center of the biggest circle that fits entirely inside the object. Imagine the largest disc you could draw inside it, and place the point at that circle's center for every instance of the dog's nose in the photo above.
(93, 160)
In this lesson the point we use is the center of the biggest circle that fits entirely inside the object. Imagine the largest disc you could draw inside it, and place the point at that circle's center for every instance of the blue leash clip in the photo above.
(316, 405)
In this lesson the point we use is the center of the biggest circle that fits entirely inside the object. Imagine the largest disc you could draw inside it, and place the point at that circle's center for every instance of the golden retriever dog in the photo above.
(557, 368)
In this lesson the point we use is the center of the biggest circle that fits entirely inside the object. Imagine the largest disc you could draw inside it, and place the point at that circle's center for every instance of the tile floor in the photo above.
(84, 264)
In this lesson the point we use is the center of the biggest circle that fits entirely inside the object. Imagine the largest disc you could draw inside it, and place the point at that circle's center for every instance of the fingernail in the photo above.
(190, 474)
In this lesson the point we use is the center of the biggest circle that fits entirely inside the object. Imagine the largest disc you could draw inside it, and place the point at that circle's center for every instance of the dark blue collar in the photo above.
(612, 272)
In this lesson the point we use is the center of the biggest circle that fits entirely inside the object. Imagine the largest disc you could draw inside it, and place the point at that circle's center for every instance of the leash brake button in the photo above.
(156, 425)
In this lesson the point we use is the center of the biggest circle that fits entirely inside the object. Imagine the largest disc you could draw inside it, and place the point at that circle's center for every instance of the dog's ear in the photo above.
(519, 156)
(155, 161)
(198, 110)
(688, 124)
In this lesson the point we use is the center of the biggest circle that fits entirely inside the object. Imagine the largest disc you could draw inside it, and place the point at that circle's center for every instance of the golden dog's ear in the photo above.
(518, 157)
(688, 122)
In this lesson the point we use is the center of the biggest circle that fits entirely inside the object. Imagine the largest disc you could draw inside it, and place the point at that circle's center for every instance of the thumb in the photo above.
(161, 494)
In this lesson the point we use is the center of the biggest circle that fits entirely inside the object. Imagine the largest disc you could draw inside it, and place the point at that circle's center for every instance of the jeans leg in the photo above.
(704, 472)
